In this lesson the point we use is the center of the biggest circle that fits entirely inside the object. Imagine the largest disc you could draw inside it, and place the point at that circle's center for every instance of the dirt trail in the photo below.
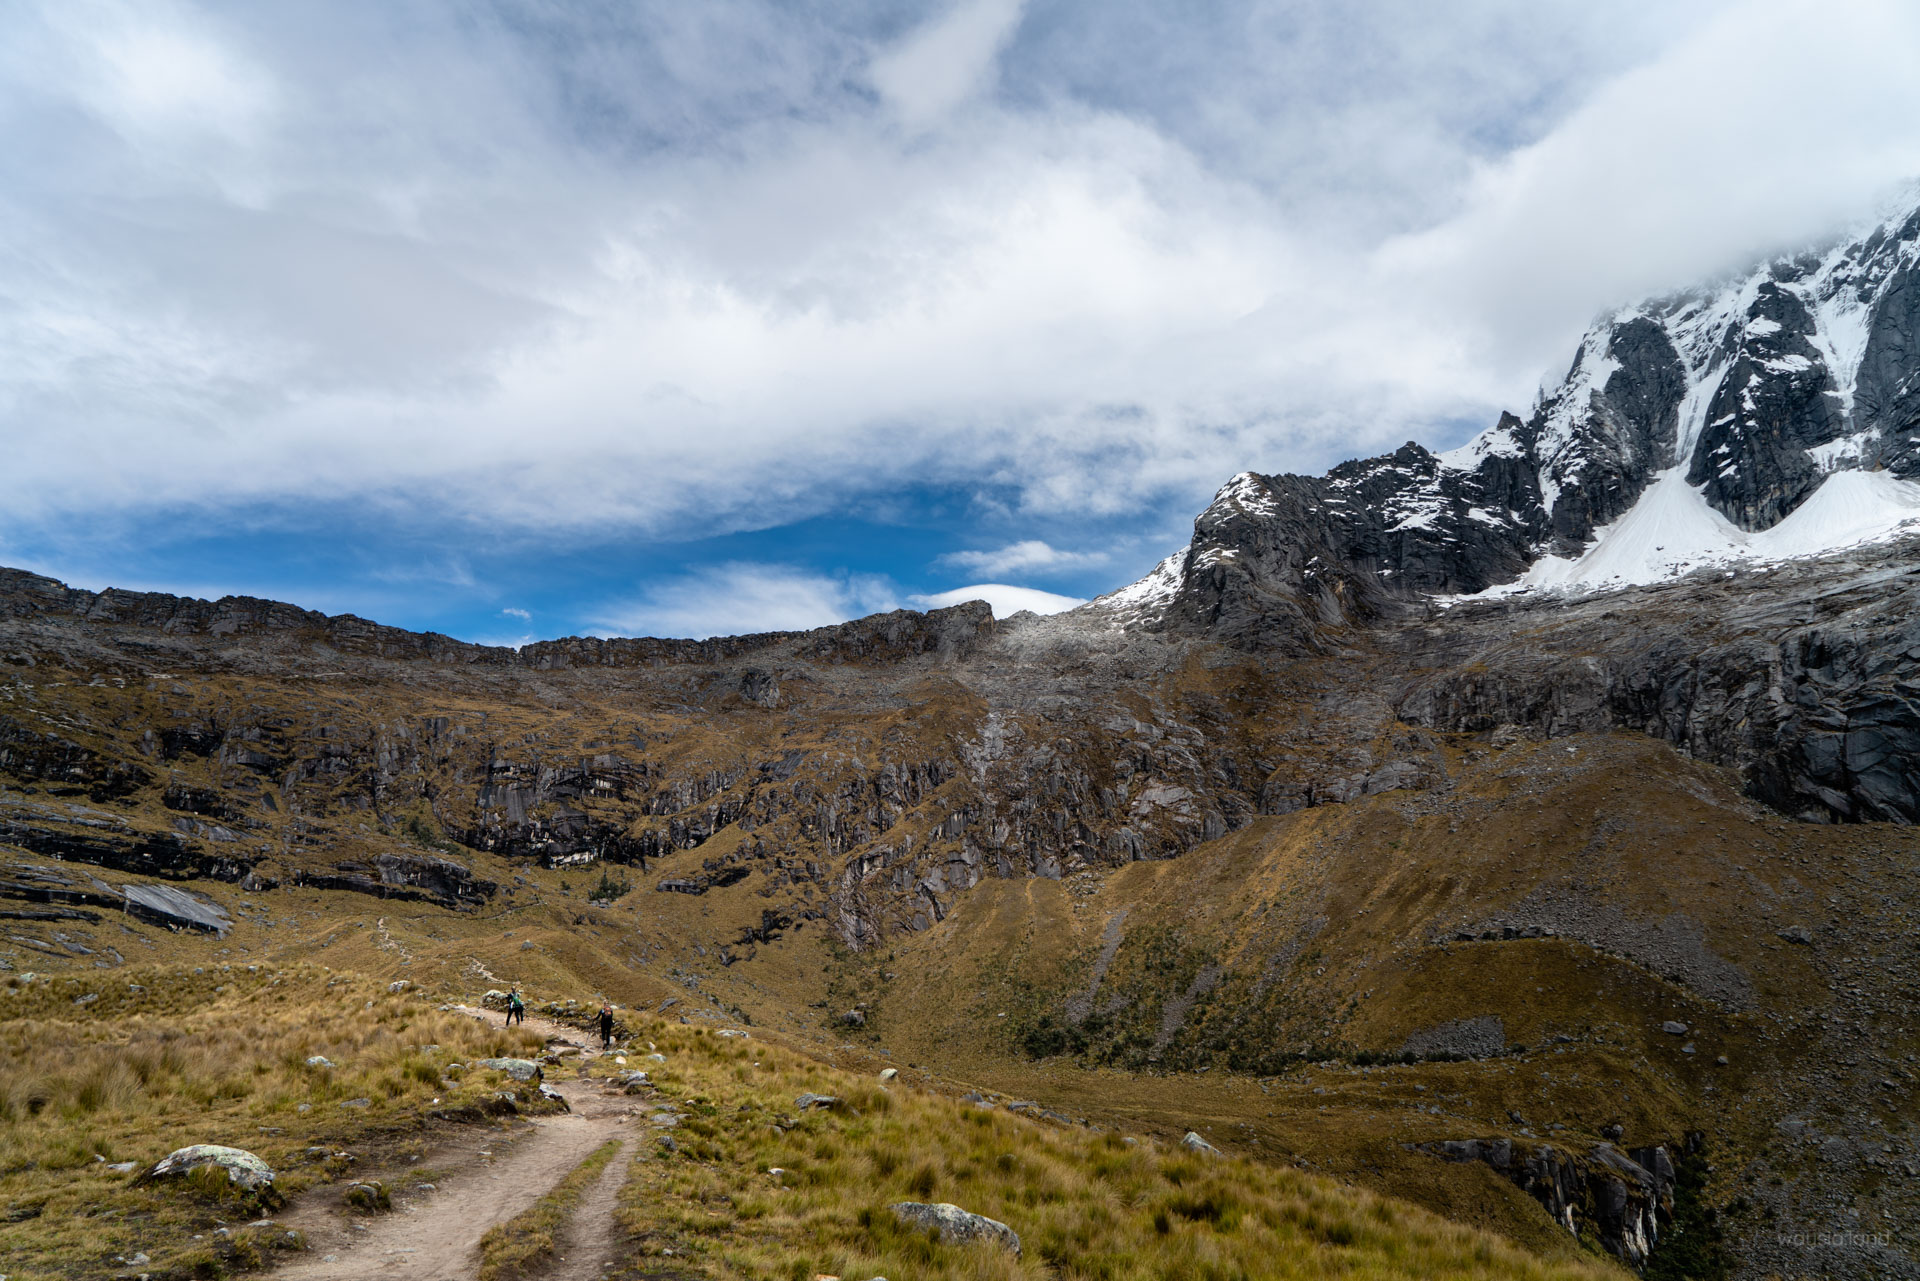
(592, 1240)
(482, 1178)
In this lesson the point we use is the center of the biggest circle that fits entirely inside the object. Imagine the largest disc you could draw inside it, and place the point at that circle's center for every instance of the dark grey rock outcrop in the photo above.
(1776, 401)
(1623, 1199)
(1804, 680)
(413, 877)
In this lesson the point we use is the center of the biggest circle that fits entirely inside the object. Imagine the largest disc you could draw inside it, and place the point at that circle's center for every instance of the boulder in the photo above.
(518, 1069)
(827, 1102)
(244, 1169)
(1194, 1143)
(955, 1224)
(371, 1197)
(495, 999)
(319, 1061)
(888, 1074)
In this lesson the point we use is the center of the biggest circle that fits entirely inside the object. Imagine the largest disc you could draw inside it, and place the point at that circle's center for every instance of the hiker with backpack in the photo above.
(516, 1008)
(606, 1027)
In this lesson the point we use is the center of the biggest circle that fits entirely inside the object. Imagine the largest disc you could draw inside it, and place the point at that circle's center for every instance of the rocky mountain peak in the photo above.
(1771, 414)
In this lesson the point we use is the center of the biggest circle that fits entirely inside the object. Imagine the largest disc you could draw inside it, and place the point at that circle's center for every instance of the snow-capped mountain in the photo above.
(1770, 415)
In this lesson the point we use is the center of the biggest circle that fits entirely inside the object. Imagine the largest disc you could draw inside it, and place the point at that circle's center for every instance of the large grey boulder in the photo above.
(244, 1169)
(955, 1224)
(1194, 1143)
(518, 1069)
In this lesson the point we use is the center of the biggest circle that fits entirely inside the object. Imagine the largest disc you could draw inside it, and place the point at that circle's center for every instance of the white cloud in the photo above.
(1027, 556)
(668, 268)
(1005, 600)
(944, 63)
(510, 611)
(161, 72)
(1756, 133)
(740, 598)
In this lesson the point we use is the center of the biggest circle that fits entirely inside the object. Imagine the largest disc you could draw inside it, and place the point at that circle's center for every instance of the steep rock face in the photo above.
(1805, 684)
(1602, 433)
(1776, 403)
(1887, 396)
(1622, 1199)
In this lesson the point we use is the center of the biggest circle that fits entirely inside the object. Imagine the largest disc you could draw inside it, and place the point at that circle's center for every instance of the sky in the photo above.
(517, 319)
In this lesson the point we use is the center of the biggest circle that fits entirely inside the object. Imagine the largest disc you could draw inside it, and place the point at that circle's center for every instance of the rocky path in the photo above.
(481, 1179)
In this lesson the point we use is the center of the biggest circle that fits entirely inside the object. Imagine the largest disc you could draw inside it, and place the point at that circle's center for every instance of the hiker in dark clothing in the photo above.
(516, 1008)
(606, 1028)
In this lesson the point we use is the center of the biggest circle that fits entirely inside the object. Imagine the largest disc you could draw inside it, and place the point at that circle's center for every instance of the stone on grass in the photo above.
(320, 1061)
(371, 1196)
(810, 1100)
(518, 1069)
(1194, 1143)
(1673, 1027)
(244, 1169)
(887, 1074)
(955, 1224)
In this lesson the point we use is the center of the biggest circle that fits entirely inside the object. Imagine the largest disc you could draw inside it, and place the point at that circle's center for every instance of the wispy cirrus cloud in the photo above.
(1028, 556)
(741, 598)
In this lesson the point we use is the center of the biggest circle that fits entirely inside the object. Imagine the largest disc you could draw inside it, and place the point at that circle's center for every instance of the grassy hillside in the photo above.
(221, 1056)
(102, 1069)
(756, 1188)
